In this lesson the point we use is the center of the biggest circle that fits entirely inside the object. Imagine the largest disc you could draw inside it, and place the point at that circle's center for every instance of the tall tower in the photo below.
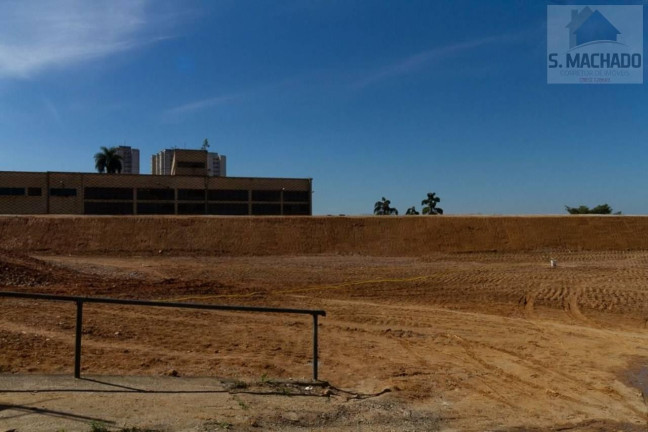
(216, 165)
(130, 159)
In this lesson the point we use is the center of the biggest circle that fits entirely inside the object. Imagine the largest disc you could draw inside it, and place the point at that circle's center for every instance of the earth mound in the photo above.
(17, 270)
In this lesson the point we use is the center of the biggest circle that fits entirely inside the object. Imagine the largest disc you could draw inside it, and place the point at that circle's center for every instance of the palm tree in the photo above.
(107, 160)
(412, 211)
(430, 205)
(383, 208)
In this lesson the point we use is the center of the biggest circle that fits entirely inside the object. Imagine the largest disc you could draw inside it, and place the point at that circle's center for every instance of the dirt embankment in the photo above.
(376, 236)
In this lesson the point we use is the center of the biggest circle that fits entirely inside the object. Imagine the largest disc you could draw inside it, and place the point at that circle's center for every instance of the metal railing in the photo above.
(81, 300)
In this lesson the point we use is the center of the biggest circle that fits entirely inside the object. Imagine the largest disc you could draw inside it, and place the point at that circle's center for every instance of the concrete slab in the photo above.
(61, 403)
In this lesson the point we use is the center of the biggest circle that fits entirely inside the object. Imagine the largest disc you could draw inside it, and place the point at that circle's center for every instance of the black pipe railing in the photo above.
(81, 300)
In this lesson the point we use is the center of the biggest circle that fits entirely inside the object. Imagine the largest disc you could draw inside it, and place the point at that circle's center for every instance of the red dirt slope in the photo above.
(375, 236)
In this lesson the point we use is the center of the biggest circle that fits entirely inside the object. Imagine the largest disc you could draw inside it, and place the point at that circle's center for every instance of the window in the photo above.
(266, 195)
(227, 195)
(156, 194)
(108, 208)
(266, 209)
(155, 208)
(296, 209)
(34, 191)
(191, 208)
(190, 164)
(108, 193)
(12, 191)
(191, 194)
(63, 192)
(296, 196)
(227, 209)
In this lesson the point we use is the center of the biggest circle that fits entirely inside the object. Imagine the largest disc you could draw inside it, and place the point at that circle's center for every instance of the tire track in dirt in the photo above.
(493, 375)
(570, 305)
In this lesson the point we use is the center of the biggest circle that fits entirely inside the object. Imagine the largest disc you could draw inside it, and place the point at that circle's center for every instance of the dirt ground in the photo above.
(448, 341)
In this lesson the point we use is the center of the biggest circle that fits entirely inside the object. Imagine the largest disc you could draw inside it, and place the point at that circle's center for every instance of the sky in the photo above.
(370, 98)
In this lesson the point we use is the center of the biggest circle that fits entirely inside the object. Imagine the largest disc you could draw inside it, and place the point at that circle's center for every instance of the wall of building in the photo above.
(120, 194)
(166, 163)
(23, 193)
(189, 163)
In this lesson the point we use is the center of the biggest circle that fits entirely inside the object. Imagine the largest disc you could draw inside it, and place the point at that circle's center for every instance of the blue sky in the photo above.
(370, 98)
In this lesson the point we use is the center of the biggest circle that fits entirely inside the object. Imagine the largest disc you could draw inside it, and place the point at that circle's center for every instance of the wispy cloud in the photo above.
(253, 92)
(53, 111)
(199, 105)
(39, 34)
(417, 61)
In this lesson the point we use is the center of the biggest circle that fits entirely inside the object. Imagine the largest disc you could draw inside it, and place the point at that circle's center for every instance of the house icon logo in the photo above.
(600, 44)
(587, 26)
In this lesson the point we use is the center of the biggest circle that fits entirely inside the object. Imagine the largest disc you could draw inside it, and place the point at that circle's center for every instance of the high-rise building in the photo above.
(216, 165)
(188, 162)
(130, 159)
(161, 162)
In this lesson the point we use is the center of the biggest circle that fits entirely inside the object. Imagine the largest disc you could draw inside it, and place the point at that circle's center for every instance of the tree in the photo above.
(599, 209)
(412, 211)
(383, 208)
(205, 145)
(430, 204)
(107, 160)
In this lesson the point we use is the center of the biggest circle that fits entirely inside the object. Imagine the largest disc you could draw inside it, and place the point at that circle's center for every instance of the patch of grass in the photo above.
(223, 425)
(239, 385)
(136, 429)
(241, 404)
(96, 426)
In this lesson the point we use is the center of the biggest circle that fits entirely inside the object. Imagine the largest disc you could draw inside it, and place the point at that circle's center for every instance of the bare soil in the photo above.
(446, 341)
(413, 236)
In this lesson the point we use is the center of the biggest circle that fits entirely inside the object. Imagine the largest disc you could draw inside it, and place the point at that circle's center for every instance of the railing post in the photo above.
(79, 316)
(77, 344)
(315, 350)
